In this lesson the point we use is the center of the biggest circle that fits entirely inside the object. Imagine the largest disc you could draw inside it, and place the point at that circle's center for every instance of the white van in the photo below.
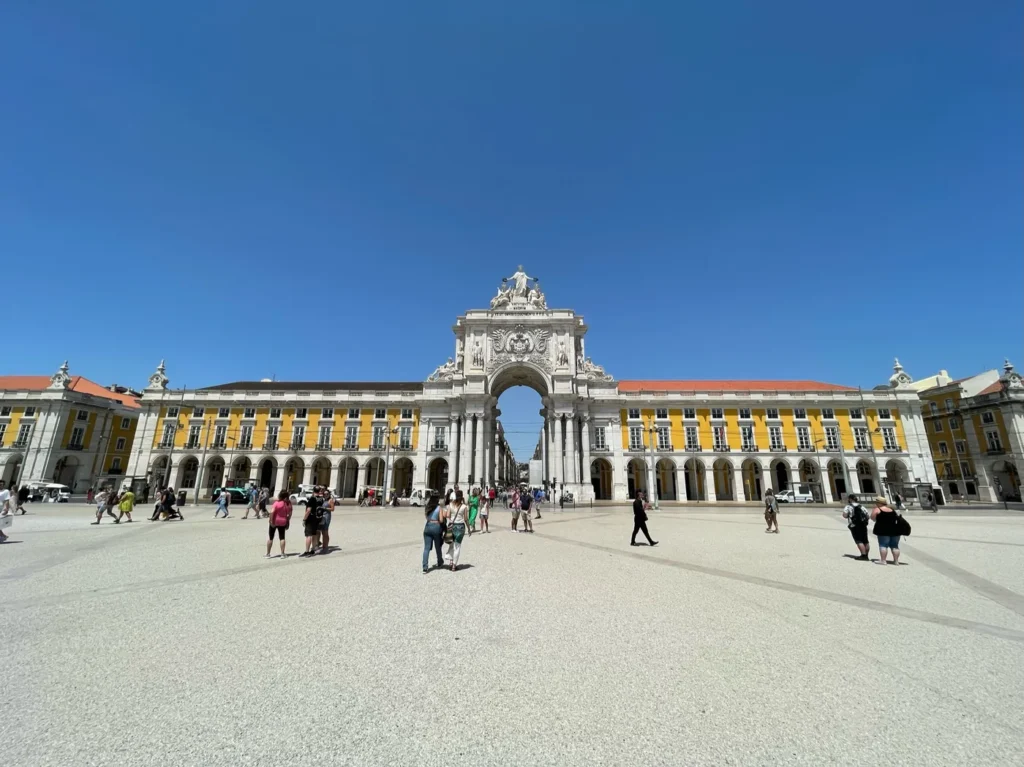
(802, 494)
(54, 493)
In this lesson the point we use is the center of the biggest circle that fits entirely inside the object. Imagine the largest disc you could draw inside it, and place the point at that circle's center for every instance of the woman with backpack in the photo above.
(888, 530)
(432, 533)
(857, 518)
(280, 516)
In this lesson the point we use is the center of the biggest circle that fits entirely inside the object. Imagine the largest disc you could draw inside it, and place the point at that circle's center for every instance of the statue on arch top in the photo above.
(520, 282)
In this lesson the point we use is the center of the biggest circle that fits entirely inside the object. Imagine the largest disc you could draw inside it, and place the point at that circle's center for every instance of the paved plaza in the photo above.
(178, 644)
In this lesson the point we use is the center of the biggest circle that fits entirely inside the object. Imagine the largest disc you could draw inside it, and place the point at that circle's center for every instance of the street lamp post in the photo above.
(654, 479)
(387, 452)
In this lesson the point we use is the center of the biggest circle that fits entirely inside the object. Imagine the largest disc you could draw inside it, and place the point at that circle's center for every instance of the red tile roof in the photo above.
(991, 389)
(808, 386)
(78, 384)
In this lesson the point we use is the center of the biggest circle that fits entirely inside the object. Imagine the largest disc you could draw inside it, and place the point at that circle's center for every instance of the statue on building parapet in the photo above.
(592, 370)
(62, 378)
(445, 372)
(1010, 378)
(478, 355)
(562, 360)
(159, 378)
(517, 293)
(899, 378)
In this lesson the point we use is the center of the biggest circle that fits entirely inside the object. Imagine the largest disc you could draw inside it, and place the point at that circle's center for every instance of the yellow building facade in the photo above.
(65, 429)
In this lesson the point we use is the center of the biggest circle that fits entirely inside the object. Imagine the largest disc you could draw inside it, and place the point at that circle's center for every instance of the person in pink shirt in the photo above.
(280, 516)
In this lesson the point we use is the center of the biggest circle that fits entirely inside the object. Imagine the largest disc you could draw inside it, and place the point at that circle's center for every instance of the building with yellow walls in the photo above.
(65, 429)
(975, 430)
(689, 441)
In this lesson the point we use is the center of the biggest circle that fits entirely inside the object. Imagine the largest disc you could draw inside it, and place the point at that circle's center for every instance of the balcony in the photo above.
(192, 444)
(862, 449)
(378, 448)
(76, 447)
(600, 449)
(350, 446)
(245, 445)
(665, 448)
(891, 449)
(995, 451)
(219, 445)
(165, 444)
(21, 443)
(404, 448)
(438, 448)
(778, 448)
(805, 448)
(693, 448)
(270, 445)
(323, 446)
(297, 446)
(722, 448)
(750, 448)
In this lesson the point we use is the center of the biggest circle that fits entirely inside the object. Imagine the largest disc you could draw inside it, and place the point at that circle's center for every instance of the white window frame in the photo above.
(353, 414)
(327, 413)
(223, 412)
(440, 438)
(800, 413)
(405, 437)
(988, 417)
(380, 414)
(954, 422)
(600, 443)
(992, 440)
(939, 428)
(803, 438)
(889, 438)
(298, 436)
(884, 413)
(198, 412)
(377, 441)
(249, 412)
(30, 412)
(170, 429)
(775, 442)
(24, 434)
(3, 431)
(120, 444)
(692, 438)
(689, 412)
(220, 436)
(718, 413)
(78, 431)
(273, 436)
(115, 464)
(406, 413)
(747, 436)
(832, 438)
(773, 413)
(195, 434)
(661, 413)
(275, 412)
(352, 436)
(301, 413)
(633, 414)
(960, 446)
(245, 436)
(664, 441)
(949, 405)
(856, 414)
(324, 437)
(943, 448)
(126, 423)
(828, 414)
(172, 412)
(82, 415)
(745, 413)
(861, 440)
(636, 437)
(965, 469)
(720, 437)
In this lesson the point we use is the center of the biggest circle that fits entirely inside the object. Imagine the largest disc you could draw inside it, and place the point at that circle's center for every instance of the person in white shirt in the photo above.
(5, 507)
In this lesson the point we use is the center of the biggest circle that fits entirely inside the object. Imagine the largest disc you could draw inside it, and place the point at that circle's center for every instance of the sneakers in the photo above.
(266, 556)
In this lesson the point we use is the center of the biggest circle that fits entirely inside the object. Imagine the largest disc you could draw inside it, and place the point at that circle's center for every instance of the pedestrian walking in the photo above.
(640, 519)
(513, 504)
(432, 533)
(311, 524)
(525, 502)
(89, 496)
(261, 505)
(5, 511)
(857, 519)
(889, 527)
(538, 496)
(474, 508)
(280, 517)
(485, 513)
(771, 511)
(897, 500)
(125, 504)
(22, 498)
(102, 499)
(222, 503)
(455, 520)
(251, 497)
(930, 500)
(326, 512)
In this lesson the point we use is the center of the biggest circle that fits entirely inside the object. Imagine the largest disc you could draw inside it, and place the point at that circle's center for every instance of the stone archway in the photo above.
(293, 474)
(636, 477)
(601, 479)
(373, 473)
(724, 480)
(321, 469)
(665, 474)
(437, 475)
(348, 477)
(188, 471)
(66, 470)
(267, 470)
(866, 478)
(401, 477)
(158, 472)
(753, 490)
(241, 469)
(694, 478)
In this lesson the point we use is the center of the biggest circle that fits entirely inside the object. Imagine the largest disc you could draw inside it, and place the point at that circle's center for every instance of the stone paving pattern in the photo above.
(178, 644)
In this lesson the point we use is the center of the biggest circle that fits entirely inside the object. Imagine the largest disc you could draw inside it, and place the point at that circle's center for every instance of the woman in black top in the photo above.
(887, 530)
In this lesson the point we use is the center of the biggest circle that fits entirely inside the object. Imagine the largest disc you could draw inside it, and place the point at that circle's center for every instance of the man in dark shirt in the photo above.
(311, 521)
(640, 520)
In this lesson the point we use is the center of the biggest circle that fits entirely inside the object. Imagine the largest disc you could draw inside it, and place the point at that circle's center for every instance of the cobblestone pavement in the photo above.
(178, 644)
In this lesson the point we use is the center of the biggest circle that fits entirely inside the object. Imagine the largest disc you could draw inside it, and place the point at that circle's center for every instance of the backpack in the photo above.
(860, 516)
(524, 502)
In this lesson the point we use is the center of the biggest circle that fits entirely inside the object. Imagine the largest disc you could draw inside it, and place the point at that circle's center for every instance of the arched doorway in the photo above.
(723, 480)
(267, 470)
(518, 390)
(437, 475)
(601, 479)
(752, 488)
(401, 477)
(214, 473)
(809, 476)
(239, 474)
(293, 474)
(12, 470)
(896, 477)
(780, 475)
(65, 471)
(374, 473)
(348, 477)
(694, 478)
(321, 471)
(636, 477)
(188, 470)
(665, 471)
(836, 480)
(866, 478)
(158, 473)
(1006, 481)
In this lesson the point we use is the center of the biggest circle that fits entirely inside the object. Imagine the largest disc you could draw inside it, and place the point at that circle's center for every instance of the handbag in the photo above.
(902, 526)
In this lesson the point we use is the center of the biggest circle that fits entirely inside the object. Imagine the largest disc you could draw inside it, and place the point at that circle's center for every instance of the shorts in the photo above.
(889, 542)
(310, 529)
(515, 514)
(860, 534)
(325, 521)
(524, 513)
(280, 532)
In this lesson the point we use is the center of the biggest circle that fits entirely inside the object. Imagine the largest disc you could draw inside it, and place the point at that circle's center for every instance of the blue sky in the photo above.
(317, 189)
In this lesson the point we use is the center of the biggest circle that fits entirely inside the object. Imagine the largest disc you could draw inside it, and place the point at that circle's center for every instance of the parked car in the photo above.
(802, 494)
(51, 493)
(417, 498)
(301, 495)
(235, 494)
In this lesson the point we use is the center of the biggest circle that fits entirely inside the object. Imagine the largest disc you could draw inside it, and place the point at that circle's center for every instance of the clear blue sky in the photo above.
(317, 189)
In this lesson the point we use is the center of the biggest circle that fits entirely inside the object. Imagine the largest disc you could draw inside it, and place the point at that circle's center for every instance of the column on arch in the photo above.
(571, 464)
(585, 477)
(478, 449)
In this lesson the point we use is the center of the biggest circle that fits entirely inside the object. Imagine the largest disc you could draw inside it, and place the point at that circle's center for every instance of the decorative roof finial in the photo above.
(62, 378)
(159, 379)
(1010, 378)
(899, 377)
